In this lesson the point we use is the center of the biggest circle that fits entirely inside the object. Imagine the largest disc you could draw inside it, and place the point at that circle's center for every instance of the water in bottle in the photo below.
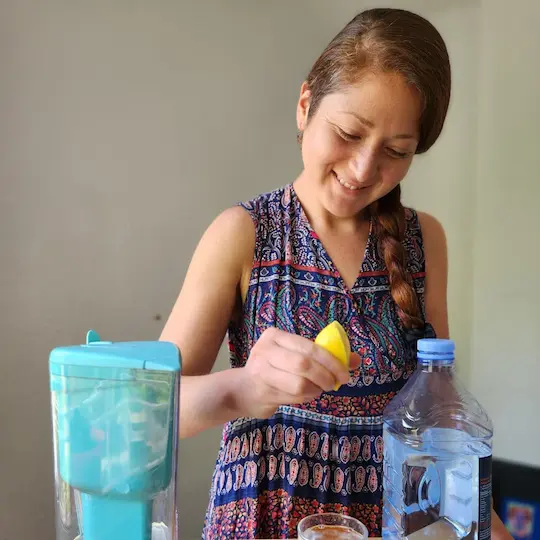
(437, 453)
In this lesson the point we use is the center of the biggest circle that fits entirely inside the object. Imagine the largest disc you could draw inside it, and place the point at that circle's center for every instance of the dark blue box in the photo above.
(516, 498)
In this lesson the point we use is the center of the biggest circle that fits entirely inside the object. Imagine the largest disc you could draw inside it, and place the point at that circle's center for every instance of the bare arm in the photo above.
(200, 316)
(436, 254)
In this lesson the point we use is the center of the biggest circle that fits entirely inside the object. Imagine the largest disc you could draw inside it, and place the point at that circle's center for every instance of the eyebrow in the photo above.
(371, 125)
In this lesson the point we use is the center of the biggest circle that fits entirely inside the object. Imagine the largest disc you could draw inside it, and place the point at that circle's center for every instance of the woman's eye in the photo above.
(397, 154)
(348, 136)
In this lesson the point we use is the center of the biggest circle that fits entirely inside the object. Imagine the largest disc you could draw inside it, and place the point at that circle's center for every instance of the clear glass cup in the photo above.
(331, 526)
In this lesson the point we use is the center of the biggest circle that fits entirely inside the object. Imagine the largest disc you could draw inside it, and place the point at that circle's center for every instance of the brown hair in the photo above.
(396, 41)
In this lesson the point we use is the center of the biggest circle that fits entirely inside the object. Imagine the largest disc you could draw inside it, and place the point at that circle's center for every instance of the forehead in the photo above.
(384, 99)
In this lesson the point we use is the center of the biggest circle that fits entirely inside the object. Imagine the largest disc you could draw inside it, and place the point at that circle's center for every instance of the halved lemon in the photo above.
(334, 339)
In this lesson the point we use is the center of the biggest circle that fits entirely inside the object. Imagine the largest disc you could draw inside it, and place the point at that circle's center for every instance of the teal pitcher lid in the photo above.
(95, 353)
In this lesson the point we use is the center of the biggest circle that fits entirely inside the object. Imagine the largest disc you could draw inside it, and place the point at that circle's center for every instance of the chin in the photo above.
(344, 211)
(347, 204)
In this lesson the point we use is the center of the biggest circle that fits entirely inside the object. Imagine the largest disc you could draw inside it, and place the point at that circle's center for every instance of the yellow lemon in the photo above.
(334, 339)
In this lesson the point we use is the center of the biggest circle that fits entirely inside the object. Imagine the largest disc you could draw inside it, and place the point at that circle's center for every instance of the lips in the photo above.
(350, 185)
(346, 184)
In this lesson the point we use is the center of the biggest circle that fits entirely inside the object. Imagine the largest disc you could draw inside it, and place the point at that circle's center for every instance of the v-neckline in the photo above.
(305, 220)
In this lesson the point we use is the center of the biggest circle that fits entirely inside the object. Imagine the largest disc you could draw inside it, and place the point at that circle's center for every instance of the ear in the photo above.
(302, 109)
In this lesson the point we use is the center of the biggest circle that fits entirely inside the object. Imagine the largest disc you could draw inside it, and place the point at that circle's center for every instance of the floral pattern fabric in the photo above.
(325, 455)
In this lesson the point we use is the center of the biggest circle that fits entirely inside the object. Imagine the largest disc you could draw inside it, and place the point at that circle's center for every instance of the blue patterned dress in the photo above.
(325, 455)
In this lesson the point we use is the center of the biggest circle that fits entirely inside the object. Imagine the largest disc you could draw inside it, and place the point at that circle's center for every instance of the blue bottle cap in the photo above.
(436, 349)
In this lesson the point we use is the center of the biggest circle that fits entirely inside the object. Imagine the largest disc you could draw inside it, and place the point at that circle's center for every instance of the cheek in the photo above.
(320, 148)
(393, 172)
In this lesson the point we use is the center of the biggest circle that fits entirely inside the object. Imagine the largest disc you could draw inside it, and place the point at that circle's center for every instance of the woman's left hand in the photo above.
(498, 530)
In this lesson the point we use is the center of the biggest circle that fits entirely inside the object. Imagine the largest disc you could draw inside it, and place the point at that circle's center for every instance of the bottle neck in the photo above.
(436, 363)
(436, 367)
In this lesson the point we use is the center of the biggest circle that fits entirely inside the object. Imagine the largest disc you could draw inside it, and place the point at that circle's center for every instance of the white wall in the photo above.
(124, 131)
(506, 339)
(442, 181)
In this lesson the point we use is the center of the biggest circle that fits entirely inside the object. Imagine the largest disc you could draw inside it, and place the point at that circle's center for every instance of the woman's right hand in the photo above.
(285, 369)
(282, 369)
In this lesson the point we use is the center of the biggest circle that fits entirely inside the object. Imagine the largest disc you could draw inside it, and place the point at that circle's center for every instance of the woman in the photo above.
(334, 245)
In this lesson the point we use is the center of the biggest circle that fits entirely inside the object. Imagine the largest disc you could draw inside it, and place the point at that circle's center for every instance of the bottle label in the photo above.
(484, 495)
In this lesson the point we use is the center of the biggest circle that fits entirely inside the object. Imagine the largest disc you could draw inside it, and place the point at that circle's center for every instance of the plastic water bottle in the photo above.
(437, 454)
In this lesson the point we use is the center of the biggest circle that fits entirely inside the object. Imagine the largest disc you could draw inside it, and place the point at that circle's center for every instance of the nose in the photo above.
(364, 165)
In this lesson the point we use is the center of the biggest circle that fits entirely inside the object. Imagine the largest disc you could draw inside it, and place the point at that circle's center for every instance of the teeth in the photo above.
(344, 184)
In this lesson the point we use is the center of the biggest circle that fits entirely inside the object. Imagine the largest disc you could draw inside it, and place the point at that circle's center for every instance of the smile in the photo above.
(345, 184)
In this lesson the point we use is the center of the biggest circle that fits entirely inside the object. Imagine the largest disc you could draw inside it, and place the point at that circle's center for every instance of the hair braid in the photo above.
(389, 222)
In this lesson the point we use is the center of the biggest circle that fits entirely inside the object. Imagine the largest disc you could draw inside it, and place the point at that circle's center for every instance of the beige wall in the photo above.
(506, 339)
(125, 129)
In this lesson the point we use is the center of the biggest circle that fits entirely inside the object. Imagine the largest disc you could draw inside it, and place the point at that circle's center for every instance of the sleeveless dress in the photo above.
(325, 455)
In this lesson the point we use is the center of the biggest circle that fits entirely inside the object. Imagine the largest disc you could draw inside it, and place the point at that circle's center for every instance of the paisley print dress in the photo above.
(325, 455)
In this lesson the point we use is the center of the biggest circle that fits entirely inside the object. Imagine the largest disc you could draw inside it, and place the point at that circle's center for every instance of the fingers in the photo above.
(304, 366)
(310, 350)
(288, 388)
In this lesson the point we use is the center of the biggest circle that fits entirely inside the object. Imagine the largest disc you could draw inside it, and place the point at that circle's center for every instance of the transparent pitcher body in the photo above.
(115, 435)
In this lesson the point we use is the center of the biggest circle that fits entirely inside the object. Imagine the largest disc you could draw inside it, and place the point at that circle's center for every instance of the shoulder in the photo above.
(435, 249)
(266, 204)
(436, 257)
(241, 218)
(428, 226)
(433, 234)
(425, 241)
(239, 222)
(230, 238)
(234, 222)
(229, 243)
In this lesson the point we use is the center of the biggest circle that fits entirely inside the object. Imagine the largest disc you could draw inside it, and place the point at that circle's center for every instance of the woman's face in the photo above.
(360, 142)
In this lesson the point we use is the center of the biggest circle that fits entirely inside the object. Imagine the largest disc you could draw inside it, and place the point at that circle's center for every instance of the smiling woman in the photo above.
(335, 244)
(364, 138)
